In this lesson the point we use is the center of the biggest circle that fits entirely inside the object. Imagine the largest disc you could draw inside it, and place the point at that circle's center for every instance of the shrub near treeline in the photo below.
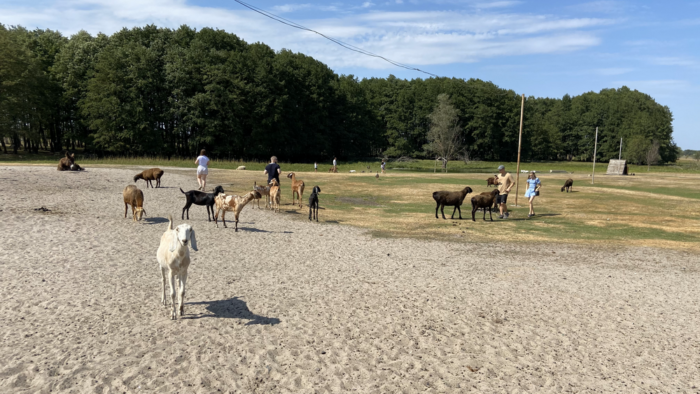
(155, 91)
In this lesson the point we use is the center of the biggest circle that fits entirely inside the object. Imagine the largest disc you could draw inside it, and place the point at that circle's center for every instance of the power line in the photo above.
(341, 43)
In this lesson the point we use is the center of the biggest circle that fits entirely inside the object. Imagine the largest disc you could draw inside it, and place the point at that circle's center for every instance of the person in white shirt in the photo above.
(335, 165)
(202, 169)
(315, 167)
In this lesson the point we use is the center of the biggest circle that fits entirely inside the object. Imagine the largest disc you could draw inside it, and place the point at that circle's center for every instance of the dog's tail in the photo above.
(170, 222)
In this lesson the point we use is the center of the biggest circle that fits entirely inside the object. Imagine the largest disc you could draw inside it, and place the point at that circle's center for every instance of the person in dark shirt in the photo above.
(273, 170)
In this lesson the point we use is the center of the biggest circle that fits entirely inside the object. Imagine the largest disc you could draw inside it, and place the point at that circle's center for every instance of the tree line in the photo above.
(171, 92)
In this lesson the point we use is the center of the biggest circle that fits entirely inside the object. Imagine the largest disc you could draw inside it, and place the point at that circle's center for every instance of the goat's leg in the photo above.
(474, 209)
(442, 210)
(460, 212)
(126, 209)
(311, 210)
(173, 315)
(490, 215)
(223, 217)
(162, 274)
(183, 281)
(453, 212)
(436, 210)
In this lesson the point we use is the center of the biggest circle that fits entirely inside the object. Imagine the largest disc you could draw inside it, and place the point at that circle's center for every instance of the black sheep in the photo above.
(485, 201)
(313, 202)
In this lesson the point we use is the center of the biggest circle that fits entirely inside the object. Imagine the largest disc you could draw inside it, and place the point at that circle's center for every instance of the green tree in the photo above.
(445, 134)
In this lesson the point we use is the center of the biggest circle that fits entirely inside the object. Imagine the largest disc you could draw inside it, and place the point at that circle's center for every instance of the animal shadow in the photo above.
(252, 230)
(155, 220)
(233, 308)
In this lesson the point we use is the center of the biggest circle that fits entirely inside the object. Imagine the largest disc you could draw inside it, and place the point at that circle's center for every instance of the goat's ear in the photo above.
(193, 240)
(174, 241)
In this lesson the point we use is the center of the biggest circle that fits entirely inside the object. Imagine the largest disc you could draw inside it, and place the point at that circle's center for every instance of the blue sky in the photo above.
(540, 48)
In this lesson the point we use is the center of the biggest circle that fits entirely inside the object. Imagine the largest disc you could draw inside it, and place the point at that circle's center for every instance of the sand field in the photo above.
(288, 306)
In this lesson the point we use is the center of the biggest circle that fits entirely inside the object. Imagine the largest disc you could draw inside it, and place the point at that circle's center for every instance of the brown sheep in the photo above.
(150, 175)
(133, 196)
(451, 199)
(569, 184)
(484, 201)
(493, 181)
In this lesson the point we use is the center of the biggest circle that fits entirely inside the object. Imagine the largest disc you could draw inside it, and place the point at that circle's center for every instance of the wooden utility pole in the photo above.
(520, 140)
(595, 152)
(620, 157)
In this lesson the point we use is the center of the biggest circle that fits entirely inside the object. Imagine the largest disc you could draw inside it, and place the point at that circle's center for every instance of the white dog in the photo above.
(174, 256)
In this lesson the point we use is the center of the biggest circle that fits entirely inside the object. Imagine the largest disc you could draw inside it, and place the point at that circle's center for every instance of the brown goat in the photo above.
(68, 163)
(484, 201)
(297, 187)
(232, 203)
(150, 175)
(274, 195)
(569, 184)
(264, 192)
(133, 196)
(451, 199)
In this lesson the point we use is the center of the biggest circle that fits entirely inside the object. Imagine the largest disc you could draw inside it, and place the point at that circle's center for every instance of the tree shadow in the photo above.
(155, 220)
(232, 308)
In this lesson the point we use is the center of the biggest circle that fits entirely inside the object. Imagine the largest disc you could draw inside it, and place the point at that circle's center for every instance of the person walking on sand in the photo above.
(533, 190)
(315, 167)
(505, 183)
(383, 167)
(202, 163)
(335, 165)
(273, 171)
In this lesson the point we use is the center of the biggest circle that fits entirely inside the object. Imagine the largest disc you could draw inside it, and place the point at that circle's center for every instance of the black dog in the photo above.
(200, 198)
(313, 202)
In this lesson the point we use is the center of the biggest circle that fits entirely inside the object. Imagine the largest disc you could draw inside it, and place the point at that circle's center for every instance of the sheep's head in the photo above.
(139, 212)
(317, 189)
(137, 177)
(184, 234)
(562, 188)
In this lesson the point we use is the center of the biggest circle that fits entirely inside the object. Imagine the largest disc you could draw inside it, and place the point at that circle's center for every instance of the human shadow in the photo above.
(548, 214)
(232, 308)
(155, 220)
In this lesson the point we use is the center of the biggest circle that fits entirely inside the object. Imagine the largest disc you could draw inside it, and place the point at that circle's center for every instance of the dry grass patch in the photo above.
(654, 210)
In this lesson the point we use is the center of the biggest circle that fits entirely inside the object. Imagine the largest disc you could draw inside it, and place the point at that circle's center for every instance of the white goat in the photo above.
(174, 256)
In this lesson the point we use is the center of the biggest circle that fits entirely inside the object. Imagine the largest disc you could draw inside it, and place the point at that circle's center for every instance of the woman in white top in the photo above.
(202, 169)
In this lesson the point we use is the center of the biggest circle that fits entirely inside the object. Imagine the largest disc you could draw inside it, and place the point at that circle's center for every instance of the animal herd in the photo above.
(173, 253)
(485, 200)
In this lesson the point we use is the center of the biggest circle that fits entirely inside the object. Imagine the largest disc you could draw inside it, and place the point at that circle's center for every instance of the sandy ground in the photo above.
(289, 306)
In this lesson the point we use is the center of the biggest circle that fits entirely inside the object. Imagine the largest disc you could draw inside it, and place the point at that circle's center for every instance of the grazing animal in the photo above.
(232, 203)
(68, 163)
(377, 176)
(149, 176)
(275, 195)
(451, 199)
(264, 191)
(133, 196)
(569, 184)
(200, 198)
(174, 258)
(493, 181)
(313, 202)
(297, 187)
(333, 169)
(484, 201)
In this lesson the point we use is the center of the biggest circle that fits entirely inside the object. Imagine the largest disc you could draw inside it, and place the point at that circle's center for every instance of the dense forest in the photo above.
(157, 91)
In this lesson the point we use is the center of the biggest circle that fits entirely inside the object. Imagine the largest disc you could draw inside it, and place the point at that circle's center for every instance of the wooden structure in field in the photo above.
(617, 167)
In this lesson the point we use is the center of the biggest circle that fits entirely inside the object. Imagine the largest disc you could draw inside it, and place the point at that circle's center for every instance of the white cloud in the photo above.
(367, 4)
(613, 71)
(673, 61)
(417, 38)
(289, 7)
